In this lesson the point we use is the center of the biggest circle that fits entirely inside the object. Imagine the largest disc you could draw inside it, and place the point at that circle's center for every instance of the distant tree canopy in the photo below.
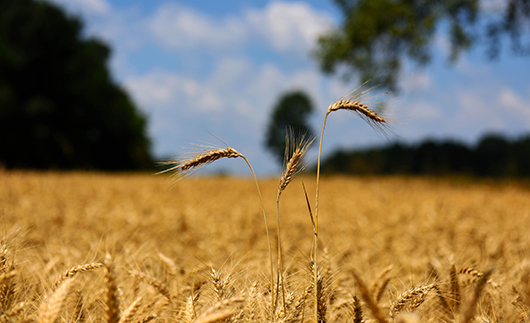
(59, 107)
(375, 36)
(493, 156)
(292, 111)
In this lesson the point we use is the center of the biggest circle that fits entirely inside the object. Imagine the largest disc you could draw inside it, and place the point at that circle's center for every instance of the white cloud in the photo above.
(416, 81)
(159, 90)
(513, 103)
(181, 27)
(478, 110)
(289, 25)
(235, 87)
(283, 25)
(422, 111)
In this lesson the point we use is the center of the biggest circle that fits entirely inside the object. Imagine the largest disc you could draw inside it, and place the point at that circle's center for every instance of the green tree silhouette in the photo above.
(59, 107)
(375, 36)
(292, 111)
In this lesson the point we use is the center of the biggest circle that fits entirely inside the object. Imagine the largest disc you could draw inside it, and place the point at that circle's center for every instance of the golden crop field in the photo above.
(120, 248)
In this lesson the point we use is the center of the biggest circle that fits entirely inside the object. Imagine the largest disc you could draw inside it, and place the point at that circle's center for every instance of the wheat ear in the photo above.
(112, 303)
(357, 310)
(220, 283)
(79, 311)
(412, 297)
(250, 313)
(130, 312)
(51, 307)
(182, 168)
(220, 311)
(77, 269)
(149, 318)
(473, 273)
(189, 311)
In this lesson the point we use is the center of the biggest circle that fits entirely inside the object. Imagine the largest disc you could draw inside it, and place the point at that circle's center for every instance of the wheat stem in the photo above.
(266, 228)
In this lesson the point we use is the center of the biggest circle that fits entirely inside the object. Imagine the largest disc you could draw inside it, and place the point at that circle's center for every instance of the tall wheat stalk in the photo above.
(295, 151)
(377, 122)
(185, 167)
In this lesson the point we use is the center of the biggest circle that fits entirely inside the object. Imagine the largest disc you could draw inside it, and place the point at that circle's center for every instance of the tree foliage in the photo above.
(292, 111)
(59, 107)
(377, 35)
(493, 156)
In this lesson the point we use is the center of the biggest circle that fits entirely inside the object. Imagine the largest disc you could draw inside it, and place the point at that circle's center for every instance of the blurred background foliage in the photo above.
(290, 114)
(493, 156)
(377, 36)
(59, 107)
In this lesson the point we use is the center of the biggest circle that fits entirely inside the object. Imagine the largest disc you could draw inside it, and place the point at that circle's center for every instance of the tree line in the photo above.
(493, 156)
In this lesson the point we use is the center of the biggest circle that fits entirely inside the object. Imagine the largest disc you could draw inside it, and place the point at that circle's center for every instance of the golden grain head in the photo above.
(183, 167)
(361, 104)
(295, 150)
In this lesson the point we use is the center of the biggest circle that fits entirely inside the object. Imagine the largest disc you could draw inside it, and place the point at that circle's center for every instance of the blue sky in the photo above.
(202, 68)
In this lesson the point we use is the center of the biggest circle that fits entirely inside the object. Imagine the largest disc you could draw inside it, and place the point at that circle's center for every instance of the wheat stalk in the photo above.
(295, 150)
(455, 288)
(182, 168)
(375, 121)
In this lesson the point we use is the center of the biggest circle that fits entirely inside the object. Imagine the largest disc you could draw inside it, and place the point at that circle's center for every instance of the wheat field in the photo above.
(94, 247)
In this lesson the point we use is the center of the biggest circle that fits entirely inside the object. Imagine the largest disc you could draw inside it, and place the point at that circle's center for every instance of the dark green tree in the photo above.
(375, 36)
(59, 107)
(292, 111)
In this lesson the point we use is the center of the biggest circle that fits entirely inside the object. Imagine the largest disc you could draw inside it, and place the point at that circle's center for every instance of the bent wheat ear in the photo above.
(377, 122)
(77, 269)
(182, 168)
